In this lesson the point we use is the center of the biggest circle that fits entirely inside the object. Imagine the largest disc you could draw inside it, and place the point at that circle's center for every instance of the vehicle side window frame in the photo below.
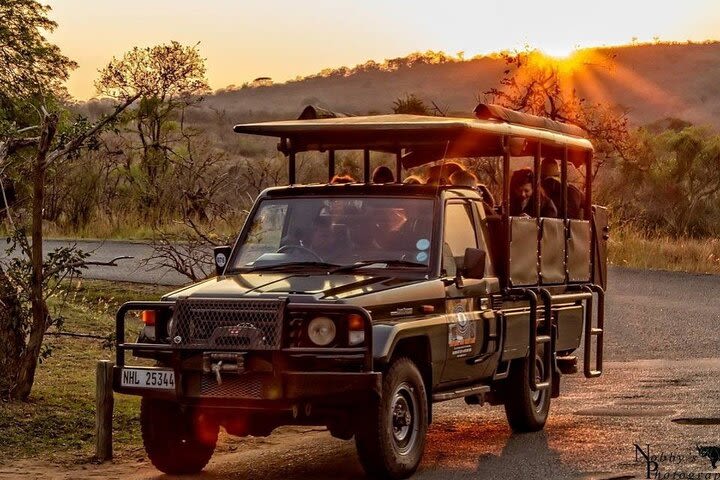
(471, 215)
(482, 235)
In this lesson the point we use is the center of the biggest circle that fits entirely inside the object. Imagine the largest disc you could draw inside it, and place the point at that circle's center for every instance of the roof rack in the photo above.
(420, 139)
(486, 111)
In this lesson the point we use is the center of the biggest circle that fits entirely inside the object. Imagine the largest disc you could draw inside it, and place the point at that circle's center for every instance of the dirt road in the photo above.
(661, 388)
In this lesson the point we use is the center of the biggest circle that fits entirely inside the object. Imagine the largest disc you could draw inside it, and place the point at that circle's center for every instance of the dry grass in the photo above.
(632, 248)
(57, 423)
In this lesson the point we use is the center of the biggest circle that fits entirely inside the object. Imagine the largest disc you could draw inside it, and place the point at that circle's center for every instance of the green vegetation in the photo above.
(57, 422)
(630, 247)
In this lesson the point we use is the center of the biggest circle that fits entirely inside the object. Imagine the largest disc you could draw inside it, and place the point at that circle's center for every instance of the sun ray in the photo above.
(626, 78)
(591, 88)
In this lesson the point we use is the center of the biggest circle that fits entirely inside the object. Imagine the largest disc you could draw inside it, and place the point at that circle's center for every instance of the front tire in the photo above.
(391, 437)
(177, 441)
(526, 409)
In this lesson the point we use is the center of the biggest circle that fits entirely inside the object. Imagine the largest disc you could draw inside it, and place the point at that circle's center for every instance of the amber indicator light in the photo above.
(356, 322)
(148, 317)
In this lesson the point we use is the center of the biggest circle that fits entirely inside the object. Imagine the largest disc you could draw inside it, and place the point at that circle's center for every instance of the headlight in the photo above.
(321, 331)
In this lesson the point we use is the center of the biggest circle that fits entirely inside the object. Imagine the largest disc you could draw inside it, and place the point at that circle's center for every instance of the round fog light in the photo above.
(321, 331)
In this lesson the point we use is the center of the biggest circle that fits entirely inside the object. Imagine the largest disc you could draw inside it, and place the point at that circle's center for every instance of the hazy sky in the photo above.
(245, 39)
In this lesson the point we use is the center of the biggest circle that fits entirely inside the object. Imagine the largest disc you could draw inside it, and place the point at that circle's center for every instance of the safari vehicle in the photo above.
(359, 306)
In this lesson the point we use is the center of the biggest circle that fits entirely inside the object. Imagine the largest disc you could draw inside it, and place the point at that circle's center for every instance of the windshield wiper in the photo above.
(366, 263)
(279, 266)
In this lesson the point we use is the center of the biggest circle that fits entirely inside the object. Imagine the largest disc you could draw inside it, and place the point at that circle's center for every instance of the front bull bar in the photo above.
(365, 350)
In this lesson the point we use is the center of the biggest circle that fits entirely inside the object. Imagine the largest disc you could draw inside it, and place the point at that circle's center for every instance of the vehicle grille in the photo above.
(228, 324)
(248, 385)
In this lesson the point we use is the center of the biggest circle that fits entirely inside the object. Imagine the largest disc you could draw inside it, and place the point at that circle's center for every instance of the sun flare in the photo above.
(559, 52)
(569, 63)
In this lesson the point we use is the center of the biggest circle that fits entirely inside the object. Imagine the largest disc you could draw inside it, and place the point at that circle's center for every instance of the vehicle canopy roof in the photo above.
(368, 189)
(426, 139)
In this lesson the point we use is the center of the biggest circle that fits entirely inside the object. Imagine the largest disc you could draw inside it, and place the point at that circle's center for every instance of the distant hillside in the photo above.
(649, 81)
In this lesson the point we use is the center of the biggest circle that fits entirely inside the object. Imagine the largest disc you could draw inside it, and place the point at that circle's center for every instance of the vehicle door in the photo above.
(464, 312)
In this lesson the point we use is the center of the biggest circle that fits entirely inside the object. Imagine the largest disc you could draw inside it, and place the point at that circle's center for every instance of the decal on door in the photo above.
(461, 331)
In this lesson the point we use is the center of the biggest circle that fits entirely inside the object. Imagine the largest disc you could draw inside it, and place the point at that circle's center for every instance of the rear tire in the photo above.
(526, 409)
(390, 439)
(177, 441)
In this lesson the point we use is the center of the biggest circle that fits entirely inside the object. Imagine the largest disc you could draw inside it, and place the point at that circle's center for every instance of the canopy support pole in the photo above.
(536, 187)
(588, 186)
(506, 210)
(291, 168)
(564, 179)
(366, 165)
(331, 165)
(398, 166)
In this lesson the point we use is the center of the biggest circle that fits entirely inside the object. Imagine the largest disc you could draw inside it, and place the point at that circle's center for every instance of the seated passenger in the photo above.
(522, 196)
(552, 184)
(413, 180)
(383, 174)
(468, 179)
(343, 179)
(440, 174)
(463, 178)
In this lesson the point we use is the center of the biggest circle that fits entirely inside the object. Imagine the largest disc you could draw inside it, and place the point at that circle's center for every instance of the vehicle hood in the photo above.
(320, 286)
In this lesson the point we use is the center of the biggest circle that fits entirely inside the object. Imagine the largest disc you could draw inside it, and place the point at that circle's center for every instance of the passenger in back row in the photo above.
(383, 174)
(464, 178)
(522, 196)
(552, 184)
(440, 174)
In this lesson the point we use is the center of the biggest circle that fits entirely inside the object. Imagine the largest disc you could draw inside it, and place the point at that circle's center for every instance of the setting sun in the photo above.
(559, 52)
(241, 40)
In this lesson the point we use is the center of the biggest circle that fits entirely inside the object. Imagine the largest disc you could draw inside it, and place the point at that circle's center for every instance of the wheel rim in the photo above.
(538, 396)
(403, 418)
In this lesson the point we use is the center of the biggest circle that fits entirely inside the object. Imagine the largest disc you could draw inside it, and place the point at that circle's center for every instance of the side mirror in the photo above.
(221, 255)
(474, 263)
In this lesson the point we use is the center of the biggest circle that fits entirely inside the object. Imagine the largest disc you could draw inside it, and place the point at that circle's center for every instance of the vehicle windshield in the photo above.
(338, 232)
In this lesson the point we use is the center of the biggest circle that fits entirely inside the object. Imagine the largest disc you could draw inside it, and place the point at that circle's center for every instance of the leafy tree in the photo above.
(169, 78)
(31, 143)
(539, 85)
(31, 66)
(674, 185)
(411, 104)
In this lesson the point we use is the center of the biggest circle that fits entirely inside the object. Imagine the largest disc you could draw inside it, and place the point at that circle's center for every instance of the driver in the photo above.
(322, 240)
(388, 228)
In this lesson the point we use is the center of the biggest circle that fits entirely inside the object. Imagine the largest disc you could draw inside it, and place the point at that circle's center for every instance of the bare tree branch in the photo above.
(84, 263)
(76, 142)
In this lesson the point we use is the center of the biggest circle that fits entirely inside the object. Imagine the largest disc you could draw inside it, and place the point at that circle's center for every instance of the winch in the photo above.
(218, 362)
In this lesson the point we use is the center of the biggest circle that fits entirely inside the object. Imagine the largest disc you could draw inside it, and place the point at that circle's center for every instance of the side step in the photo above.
(462, 392)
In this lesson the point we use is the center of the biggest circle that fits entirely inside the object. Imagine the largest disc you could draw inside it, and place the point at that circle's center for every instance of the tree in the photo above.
(31, 66)
(25, 283)
(674, 185)
(539, 85)
(411, 104)
(169, 78)
(32, 282)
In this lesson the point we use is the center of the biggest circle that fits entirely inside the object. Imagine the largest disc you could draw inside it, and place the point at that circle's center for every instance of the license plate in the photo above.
(157, 378)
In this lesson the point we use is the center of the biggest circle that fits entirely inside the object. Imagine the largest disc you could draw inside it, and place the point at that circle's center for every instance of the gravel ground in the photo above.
(661, 387)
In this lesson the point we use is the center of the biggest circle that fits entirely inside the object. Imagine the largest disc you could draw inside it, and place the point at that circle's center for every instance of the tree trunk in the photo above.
(26, 376)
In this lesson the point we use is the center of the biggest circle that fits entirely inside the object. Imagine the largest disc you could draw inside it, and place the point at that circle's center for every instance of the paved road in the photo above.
(661, 387)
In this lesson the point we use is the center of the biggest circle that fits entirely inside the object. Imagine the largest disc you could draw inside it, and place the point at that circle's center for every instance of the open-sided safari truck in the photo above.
(358, 306)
